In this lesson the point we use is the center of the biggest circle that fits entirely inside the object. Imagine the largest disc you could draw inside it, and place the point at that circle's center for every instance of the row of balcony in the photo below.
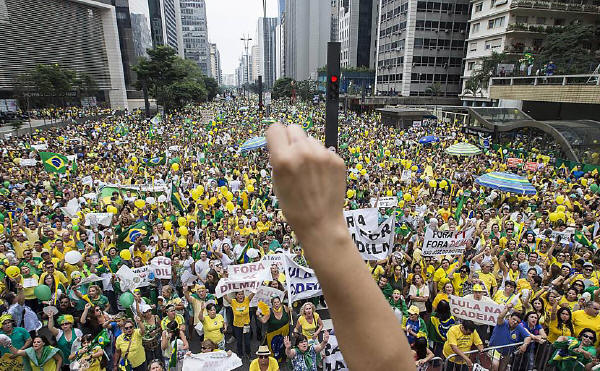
(556, 5)
(534, 28)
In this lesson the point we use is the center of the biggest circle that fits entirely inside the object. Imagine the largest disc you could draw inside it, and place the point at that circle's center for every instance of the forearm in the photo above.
(357, 336)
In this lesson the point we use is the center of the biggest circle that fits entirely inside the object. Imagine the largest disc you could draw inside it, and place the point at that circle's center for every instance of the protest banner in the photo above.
(333, 361)
(565, 236)
(378, 244)
(126, 278)
(485, 312)
(514, 162)
(162, 267)
(227, 286)
(405, 176)
(28, 162)
(384, 202)
(531, 166)
(365, 218)
(141, 276)
(439, 243)
(213, 361)
(265, 294)
(274, 259)
(301, 281)
(258, 271)
(95, 219)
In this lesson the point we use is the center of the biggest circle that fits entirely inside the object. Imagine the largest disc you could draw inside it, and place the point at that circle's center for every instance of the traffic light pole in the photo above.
(332, 98)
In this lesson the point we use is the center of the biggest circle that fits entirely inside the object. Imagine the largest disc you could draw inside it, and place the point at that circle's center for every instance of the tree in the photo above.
(212, 87)
(434, 89)
(306, 89)
(570, 48)
(472, 87)
(86, 85)
(50, 81)
(282, 88)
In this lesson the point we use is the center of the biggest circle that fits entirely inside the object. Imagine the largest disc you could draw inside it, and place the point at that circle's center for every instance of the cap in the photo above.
(478, 288)
(587, 264)
(566, 265)
(413, 310)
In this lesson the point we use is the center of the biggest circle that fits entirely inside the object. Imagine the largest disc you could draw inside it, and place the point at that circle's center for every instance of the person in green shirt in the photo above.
(20, 340)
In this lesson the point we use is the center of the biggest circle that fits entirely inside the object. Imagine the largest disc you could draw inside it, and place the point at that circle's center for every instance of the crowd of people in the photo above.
(178, 186)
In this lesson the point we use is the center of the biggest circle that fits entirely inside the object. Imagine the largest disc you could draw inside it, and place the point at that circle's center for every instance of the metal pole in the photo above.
(246, 40)
(332, 98)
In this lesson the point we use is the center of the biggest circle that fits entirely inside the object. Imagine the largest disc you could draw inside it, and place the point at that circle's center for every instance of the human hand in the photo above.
(286, 342)
(469, 363)
(326, 336)
(309, 181)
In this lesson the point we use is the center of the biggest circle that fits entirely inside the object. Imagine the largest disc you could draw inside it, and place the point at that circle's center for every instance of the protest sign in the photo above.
(258, 271)
(162, 267)
(384, 202)
(565, 236)
(227, 286)
(265, 294)
(95, 219)
(531, 166)
(378, 244)
(333, 361)
(301, 281)
(213, 361)
(406, 175)
(40, 147)
(141, 274)
(126, 278)
(274, 259)
(445, 242)
(28, 162)
(365, 218)
(479, 311)
(514, 162)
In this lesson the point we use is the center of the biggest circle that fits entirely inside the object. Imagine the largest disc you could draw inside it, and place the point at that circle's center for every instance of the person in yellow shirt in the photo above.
(241, 321)
(487, 277)
(587, 318)
(447, 290)
(460, 339)
(444, 271)
(213, 324)
(375, 269)
(58, 275)
(242, 228)
(59, 250)
(458, 280)
(587, 276)
(508, 295)
(264, 362)
(129, 344)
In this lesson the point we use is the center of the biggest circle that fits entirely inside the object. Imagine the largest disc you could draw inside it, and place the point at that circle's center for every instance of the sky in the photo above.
(228, 21)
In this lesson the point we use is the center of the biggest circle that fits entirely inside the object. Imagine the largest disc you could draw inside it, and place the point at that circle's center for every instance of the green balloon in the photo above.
(594, 188)
(75, 227)
(42, 292)
(6, 183)
(126, 299)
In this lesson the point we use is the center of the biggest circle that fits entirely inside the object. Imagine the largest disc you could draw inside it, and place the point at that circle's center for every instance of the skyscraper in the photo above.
(215, 64)
(356, 31)
(307, 31)
(280, 41)
(195, 33)
(266, 36)
(420, 47)
(172, 26)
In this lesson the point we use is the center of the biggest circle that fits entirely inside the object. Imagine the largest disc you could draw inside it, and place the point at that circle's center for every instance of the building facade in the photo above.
(280, 41)
(307, 31)
(515, 27)
(267, 48)
(356, 30)
(215, 64)
(195, 34)
(80, 35)
(420, 47)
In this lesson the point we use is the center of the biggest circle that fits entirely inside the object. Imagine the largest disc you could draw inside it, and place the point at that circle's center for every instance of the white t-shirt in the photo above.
(202, 267)
(423, 291)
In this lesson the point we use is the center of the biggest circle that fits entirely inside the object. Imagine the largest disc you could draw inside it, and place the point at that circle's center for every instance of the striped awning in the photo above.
(253, 143)
(506, 182)
(463, 149)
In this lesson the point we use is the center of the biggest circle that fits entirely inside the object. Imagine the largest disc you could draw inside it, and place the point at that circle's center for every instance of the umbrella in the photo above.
(253, 143)
(463, 149)
(506, 182)
(429, 139)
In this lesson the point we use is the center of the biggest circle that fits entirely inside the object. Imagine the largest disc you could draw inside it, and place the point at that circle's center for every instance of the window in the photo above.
(559, 22)
(493, 44)
(475, 28)
(521, 19)
(478, 7)
(540, 20)
(472, 46)
(470, 66)
(492, 3)
(496, 22)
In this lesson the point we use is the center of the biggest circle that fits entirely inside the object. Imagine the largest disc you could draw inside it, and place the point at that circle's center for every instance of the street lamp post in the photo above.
(247, 40)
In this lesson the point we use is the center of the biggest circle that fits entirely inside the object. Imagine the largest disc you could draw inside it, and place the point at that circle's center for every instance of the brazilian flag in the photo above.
(582, 239)
(54, 162)
(459, 208)
(156, 161)
(176, 200)
(243, 258)
(173, 358)
(307, 124)
(130, 235)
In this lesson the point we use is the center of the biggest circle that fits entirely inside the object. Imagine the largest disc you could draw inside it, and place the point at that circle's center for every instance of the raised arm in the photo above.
(310, 184)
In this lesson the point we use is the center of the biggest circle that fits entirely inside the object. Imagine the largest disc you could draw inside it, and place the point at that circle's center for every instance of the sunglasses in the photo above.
(128, 327)
(587, 336)
(205, 348)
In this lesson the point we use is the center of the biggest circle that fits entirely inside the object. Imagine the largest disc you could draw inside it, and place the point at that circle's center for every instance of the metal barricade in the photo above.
(434, 364)
(483, 358)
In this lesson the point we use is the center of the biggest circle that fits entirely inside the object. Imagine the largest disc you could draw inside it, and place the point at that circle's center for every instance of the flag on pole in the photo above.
(176, 199)
(130, 235)
(156, 161)
(308, 123)
(459, 207)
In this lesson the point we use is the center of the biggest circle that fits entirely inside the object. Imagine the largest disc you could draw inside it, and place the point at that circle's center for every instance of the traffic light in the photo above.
(333, 91)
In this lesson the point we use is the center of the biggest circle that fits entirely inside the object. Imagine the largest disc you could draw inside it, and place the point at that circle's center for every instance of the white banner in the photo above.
(264, 294)
(259, 271)
(140, 278)
(378, 244)
(274, 259)
(213, 361)
(28, 162)
(367, 219)
(302, 281)
(475, 310)
(40, 147)
(95, 219)
(126, 278)
(162, 267)
(406, 175)
(384, 202)
(227, 286)
(333, 361)
(565, 236)
(438, 243)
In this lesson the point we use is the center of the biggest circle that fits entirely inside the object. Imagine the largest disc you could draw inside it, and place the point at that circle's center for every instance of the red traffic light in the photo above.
(334, 78)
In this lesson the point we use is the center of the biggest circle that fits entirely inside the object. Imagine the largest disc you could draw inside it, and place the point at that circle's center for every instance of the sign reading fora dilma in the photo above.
(439, 243)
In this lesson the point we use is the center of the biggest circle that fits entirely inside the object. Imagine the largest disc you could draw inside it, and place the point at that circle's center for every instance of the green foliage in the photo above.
(570, 49)
(172, 81)
(434, 89)
(50, 81)
(306, 89)
(282, 88)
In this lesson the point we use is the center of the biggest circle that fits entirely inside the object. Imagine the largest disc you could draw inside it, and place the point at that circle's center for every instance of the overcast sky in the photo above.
(228, 21)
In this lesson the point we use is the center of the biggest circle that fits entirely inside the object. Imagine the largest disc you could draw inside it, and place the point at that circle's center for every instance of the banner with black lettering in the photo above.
(333, 361)
(478, 311)
(378, 244)
(301, 281)
(366, 219)
(439, 243)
